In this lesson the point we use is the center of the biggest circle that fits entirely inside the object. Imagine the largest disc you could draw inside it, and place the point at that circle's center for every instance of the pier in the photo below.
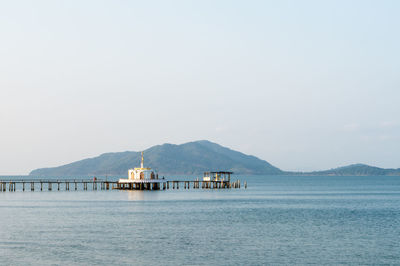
(13, 185)
(54, 184)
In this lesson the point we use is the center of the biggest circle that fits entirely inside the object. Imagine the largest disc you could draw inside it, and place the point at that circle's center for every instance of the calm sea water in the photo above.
(276, 220)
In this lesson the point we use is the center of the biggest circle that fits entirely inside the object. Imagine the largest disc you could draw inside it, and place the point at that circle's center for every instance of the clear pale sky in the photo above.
(305, 85)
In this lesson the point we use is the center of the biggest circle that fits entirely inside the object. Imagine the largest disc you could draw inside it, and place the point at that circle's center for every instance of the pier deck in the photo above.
(12, 185)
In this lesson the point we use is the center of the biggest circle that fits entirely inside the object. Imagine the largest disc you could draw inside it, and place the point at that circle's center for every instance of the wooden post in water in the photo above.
(49, 186)
(32, 186)
(41, 186)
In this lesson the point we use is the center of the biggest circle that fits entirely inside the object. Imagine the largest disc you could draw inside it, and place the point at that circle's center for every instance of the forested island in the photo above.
(193, 158)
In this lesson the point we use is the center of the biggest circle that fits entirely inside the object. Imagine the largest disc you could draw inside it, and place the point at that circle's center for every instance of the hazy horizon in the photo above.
(304, 85)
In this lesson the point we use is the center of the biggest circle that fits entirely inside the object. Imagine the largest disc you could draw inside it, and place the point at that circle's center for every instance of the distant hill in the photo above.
(193, 158)
(357, 170)
(189, 158)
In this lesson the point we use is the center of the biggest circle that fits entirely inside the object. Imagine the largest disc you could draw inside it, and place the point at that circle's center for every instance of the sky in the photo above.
(304, 85)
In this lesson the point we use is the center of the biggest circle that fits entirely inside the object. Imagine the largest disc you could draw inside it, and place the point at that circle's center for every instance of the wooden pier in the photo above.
(93, 185)
(53, 184)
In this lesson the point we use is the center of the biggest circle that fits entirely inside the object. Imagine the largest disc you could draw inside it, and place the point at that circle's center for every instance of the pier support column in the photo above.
(49, 186)
(32, 186)
(41, 186)
(23, 186)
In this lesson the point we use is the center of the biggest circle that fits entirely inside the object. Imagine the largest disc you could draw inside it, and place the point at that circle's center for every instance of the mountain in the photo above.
(357, 170)
(168, 159)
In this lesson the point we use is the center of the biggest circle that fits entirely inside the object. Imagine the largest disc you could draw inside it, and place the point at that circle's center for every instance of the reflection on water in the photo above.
(135, 195)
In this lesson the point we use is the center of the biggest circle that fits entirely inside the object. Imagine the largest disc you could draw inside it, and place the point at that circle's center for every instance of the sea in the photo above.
(277, 220)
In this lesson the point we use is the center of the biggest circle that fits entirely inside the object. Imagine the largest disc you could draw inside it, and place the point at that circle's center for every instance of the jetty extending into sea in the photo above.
(139, 178)
(97, 184)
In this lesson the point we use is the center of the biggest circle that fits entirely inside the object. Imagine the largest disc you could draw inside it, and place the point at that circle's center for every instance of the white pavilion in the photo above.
(140, 178)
